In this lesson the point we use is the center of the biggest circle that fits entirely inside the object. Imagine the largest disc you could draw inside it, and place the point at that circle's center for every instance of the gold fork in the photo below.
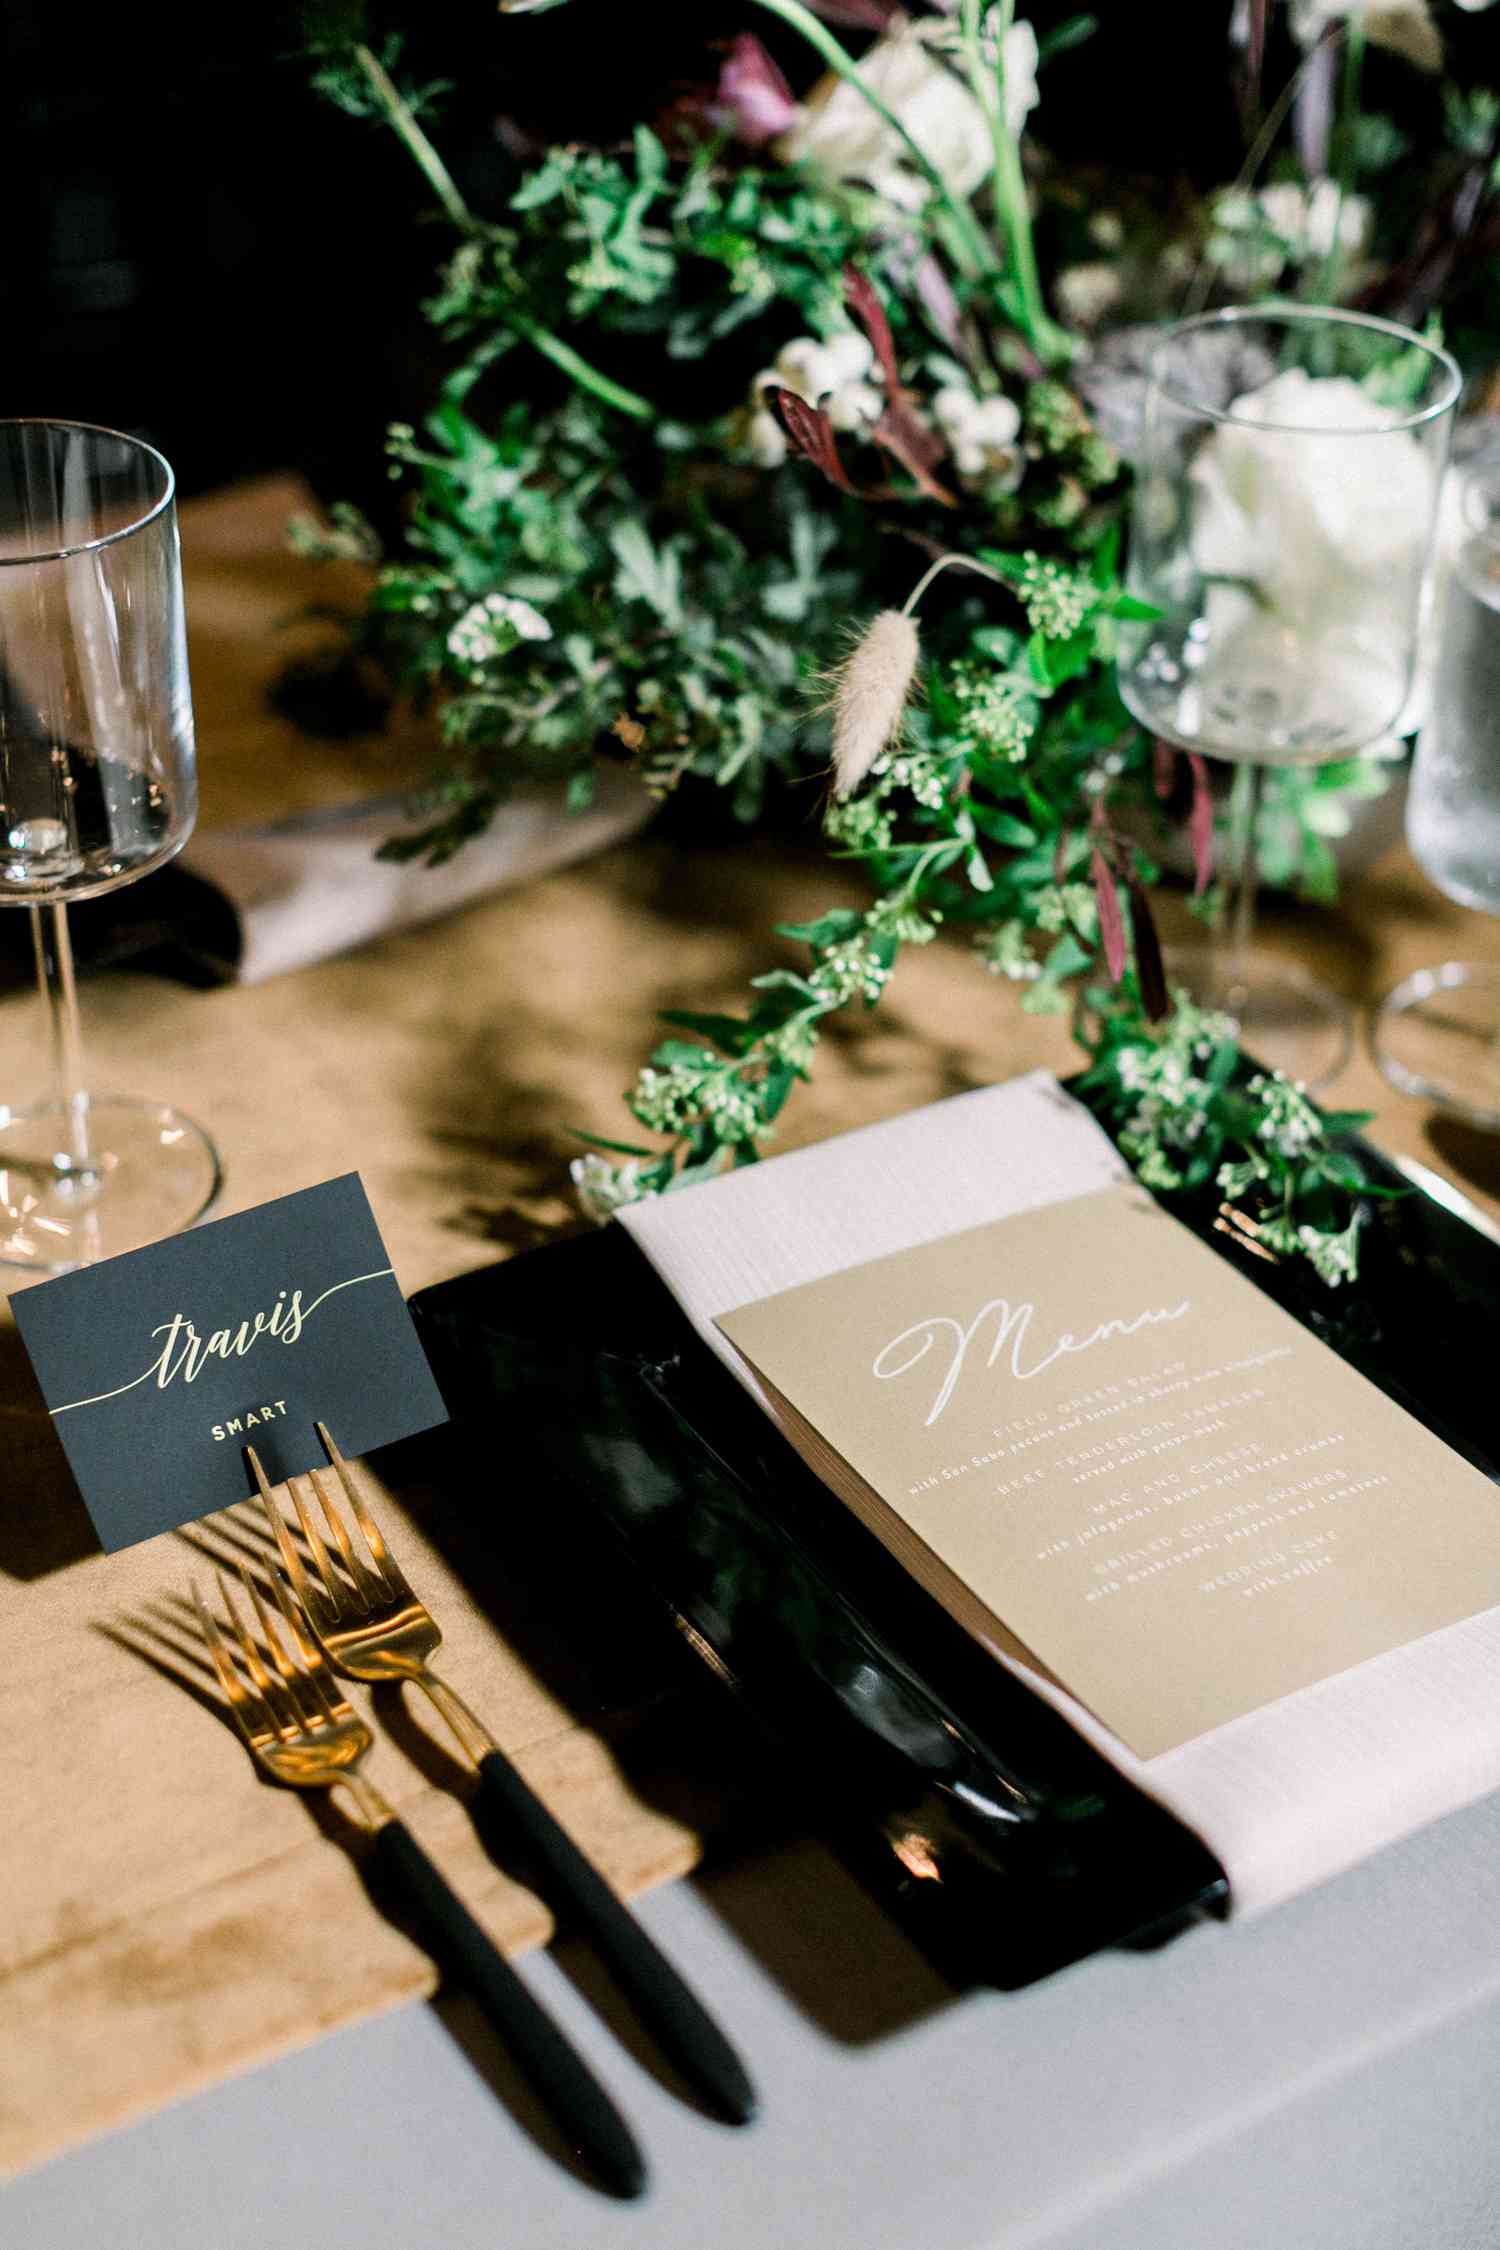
(302, 1731)
(371, 1626)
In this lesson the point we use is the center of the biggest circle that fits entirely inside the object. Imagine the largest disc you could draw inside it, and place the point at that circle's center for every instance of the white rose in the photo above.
(1275, 506)
(1405, 26)
(912, 72)
(1313, 525)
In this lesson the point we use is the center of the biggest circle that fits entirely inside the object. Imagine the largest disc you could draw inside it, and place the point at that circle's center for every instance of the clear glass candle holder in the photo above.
(1286, 498)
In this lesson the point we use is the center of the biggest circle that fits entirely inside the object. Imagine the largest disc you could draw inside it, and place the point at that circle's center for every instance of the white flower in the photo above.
(981, 434)
(916, 72)
(492, 626)
(1405, 26)
(1087, 294)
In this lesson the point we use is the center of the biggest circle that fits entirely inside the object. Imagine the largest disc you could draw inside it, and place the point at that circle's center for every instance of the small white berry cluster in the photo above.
(837, 374)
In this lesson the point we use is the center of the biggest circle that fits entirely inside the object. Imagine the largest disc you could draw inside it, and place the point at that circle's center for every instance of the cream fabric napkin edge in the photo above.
(308, 889)
(1287, 1796)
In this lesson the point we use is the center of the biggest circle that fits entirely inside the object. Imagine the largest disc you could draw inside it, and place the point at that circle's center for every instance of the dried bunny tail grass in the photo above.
(870, 692)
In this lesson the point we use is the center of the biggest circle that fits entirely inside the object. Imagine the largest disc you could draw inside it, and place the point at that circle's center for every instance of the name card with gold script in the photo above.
(159, 1367)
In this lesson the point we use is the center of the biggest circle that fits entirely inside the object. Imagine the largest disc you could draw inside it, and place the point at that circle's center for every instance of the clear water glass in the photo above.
(1438, 1034)
(97, 787)
(1287, 484)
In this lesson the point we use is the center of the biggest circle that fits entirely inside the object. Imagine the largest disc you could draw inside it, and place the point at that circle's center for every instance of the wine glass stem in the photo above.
(1244, 805)
(59, 991)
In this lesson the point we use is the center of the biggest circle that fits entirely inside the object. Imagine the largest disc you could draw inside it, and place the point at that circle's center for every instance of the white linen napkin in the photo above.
(308, 888)
(1288, 1795)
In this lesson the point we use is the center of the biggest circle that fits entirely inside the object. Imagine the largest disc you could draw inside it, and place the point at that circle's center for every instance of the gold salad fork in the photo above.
(371, 1626)
(302, 1731)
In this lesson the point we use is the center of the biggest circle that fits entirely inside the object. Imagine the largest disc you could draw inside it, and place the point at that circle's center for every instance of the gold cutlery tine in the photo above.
(385, 1562)
(302, 1731)
(371, 1626)
(292, 1577)
(238, 1698)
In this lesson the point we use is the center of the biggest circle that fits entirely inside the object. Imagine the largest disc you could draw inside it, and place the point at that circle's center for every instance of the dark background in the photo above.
(201, 249)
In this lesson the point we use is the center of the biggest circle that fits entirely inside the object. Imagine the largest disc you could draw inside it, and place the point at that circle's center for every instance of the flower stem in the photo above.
(436, 172)
(1010, 181)
(947, 562)
(587, 377)
(973, 246)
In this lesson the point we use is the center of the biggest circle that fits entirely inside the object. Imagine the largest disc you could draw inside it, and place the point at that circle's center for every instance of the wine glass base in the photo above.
(150, 1172)
(1282, 1017)
(1437, 1035)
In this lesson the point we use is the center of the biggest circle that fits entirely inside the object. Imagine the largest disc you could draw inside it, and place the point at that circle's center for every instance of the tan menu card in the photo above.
(1085, 1432)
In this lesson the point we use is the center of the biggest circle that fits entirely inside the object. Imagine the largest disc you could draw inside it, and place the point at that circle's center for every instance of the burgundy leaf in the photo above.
(811, 433)
(863, 300)
(753, 99)
(1255, 53)
(1201, 825)
(902, 433)
(1150, 973)
(1250, 25)
(1163, 768)
(893, 432)
(1111, 920)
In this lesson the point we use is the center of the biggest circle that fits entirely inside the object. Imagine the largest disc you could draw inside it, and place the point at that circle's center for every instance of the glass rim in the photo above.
(157, 508)
(1327, 316)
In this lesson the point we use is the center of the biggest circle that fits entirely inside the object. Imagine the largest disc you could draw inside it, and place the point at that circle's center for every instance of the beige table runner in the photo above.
(142, 1868)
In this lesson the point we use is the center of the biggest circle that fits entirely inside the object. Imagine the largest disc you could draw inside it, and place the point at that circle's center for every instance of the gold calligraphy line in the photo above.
(100, 1397)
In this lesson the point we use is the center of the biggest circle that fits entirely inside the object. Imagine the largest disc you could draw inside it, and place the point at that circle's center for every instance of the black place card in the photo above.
(160, 1367)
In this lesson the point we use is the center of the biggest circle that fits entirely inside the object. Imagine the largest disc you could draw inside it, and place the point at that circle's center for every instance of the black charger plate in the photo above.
(1005, 1839)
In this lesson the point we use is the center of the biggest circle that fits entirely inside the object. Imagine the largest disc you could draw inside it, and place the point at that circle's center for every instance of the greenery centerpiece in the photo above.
(786, 359)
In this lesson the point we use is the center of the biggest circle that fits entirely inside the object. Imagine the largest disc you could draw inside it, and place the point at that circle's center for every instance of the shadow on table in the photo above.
(842, 1962)
(44, 1525)
(684, 1749)
(1472, 1154)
